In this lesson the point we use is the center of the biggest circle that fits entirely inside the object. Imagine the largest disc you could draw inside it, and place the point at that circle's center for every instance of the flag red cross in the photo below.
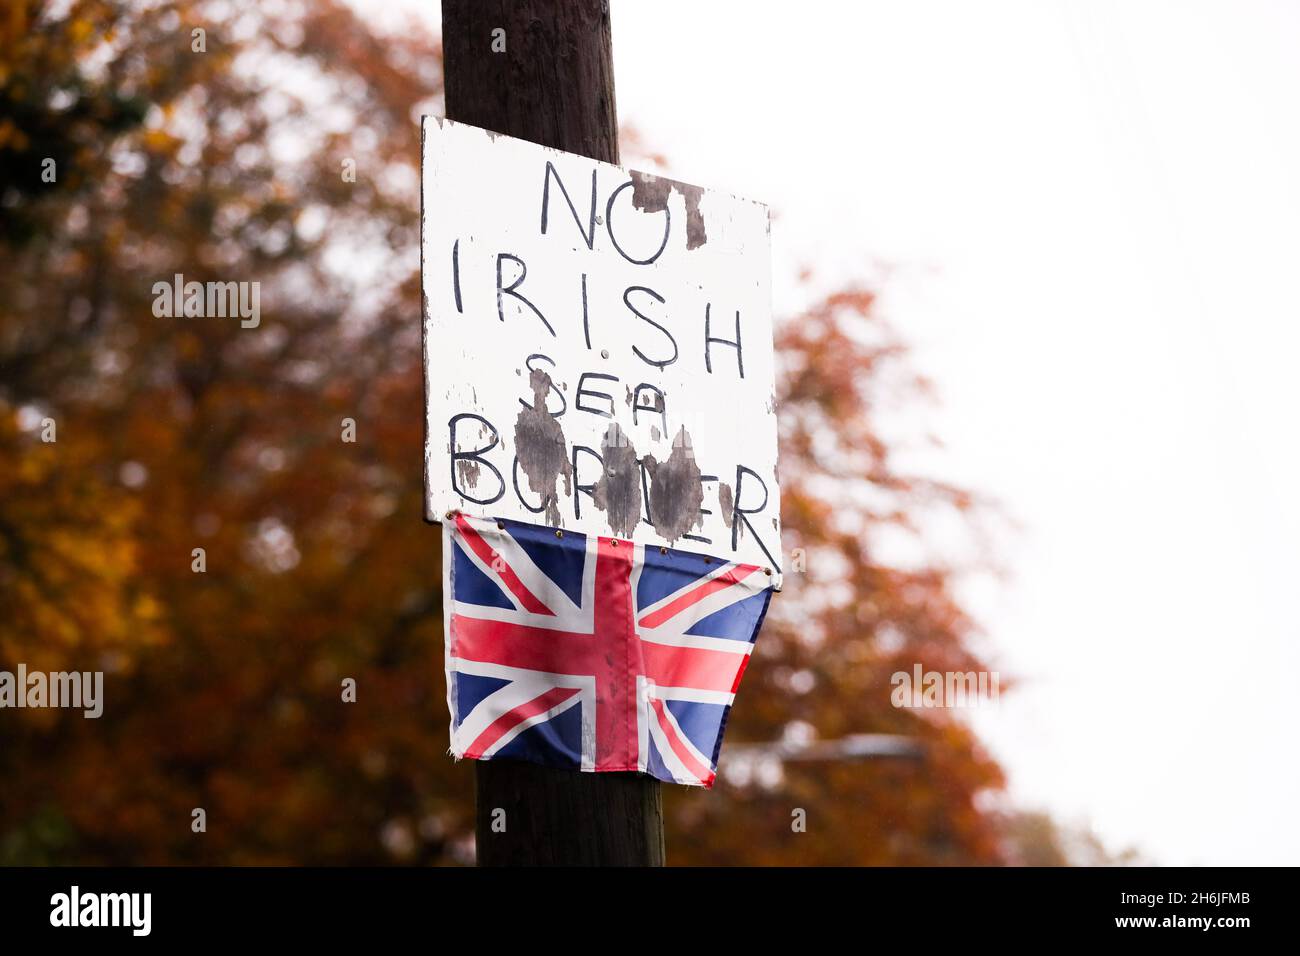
(629, 663)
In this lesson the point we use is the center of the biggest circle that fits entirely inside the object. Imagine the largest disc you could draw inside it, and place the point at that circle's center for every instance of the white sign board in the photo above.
(597, 348)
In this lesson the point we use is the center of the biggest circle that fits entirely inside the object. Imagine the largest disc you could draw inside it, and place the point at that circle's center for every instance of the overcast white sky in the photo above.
(1091, 217)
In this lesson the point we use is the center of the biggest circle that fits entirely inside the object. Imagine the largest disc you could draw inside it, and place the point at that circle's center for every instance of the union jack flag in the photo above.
(593, 653)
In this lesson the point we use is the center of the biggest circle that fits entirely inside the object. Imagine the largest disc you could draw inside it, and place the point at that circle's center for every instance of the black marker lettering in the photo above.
(660, 364)
(564, 402)
(586, 325)
(514, 477)
(510, 290)
(583, 390)
(709, 340)
(469, 462)
(579, 489)
(704, 511)
(609, 225)
(588, 234)
(739, 514)
(659, 404)
(455, 274)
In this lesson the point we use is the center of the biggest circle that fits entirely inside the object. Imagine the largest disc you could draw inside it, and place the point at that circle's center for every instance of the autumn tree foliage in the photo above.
(224, 685)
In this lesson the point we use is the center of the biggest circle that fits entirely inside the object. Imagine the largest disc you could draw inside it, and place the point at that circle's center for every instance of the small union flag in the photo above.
(593, 653)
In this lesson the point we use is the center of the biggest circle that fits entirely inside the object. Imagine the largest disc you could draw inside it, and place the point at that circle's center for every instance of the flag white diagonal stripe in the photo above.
(682, 621)
(528, 573)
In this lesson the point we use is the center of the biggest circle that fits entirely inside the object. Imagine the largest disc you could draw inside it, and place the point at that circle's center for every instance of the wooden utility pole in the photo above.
(551, 82)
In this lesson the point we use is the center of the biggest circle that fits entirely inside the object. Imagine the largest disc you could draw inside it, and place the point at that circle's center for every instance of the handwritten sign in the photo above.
(597, 349)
